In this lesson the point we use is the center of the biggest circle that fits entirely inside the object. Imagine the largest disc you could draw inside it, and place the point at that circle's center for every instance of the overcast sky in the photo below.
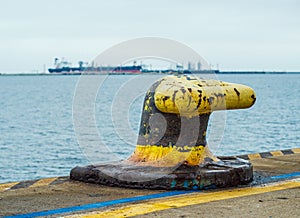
(234, 34)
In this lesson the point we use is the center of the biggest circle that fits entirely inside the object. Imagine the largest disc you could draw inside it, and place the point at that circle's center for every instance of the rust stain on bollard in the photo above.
(172, 152)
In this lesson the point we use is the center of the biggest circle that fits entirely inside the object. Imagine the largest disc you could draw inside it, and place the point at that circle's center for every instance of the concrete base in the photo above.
(230, 171)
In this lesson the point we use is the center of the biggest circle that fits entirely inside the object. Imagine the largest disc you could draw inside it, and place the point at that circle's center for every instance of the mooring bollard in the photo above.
(172, 152)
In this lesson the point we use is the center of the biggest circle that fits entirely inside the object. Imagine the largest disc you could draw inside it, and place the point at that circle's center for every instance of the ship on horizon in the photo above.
(63, 66)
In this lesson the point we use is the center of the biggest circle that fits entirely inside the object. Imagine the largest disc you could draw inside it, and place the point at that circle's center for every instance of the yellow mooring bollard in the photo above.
(172, 152)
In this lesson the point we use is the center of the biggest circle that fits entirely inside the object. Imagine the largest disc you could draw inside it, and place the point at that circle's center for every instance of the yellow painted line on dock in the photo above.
(43, 182)
(276, 153)
(254, 156)
(27, 184)
(189, 199)
(296, 150)
(270, 154)
(7, 186)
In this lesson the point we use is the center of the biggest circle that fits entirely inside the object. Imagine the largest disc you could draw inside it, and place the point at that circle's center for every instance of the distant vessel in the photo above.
(65, 67)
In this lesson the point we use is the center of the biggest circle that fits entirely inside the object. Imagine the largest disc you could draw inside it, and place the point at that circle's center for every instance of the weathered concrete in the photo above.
(69, 193)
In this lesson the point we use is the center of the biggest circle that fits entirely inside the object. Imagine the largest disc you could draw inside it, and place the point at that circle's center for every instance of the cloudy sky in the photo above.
(233, 34)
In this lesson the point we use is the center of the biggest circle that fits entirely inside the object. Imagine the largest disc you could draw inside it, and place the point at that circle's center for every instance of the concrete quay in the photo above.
(275, 192)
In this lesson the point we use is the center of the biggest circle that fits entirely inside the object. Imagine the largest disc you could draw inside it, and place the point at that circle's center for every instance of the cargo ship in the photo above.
(65, 67)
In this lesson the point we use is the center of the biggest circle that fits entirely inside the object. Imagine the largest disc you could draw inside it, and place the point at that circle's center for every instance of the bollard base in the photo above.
(230, 171)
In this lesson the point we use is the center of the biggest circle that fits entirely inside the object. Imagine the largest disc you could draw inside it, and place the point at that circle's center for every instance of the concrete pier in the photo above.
(275, 192)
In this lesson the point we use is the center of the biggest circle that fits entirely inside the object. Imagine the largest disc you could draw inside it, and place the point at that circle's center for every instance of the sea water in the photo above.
(38, 138)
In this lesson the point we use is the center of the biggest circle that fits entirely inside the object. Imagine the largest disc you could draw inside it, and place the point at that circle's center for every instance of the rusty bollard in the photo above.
(172, 152)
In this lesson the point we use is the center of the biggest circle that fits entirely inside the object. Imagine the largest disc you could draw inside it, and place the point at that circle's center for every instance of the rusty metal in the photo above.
(226, 173)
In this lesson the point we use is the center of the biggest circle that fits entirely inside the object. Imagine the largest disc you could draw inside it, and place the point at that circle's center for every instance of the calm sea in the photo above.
(37, 136)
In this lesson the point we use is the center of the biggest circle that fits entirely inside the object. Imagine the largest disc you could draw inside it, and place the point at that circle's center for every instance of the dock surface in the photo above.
(275, 192)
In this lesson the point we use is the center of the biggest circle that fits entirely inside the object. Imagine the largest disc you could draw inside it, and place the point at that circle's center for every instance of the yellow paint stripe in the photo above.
(296, 150)
(43, 182)
(190, 199)
(6, 186)
(254, 156)
(276, 153)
